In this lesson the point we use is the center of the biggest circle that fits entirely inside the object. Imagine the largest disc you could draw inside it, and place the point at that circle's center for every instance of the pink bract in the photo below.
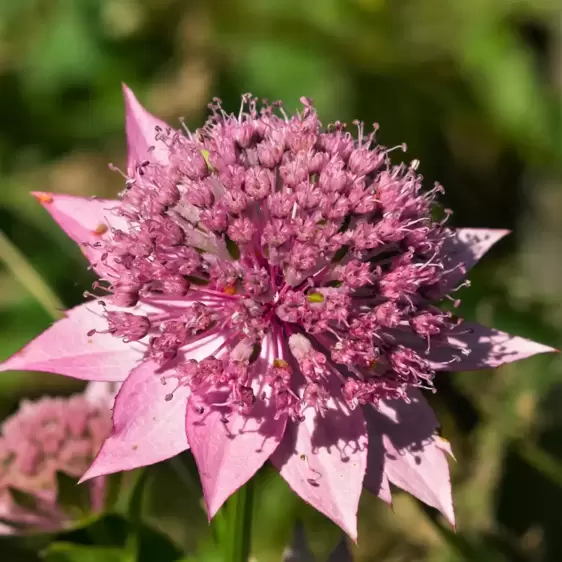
(268, 290)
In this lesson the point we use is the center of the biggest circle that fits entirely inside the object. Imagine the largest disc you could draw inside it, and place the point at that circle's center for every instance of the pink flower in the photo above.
(269, 291)
(42, 438)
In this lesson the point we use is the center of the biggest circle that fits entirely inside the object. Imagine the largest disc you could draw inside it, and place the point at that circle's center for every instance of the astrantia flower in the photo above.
(43, 438)
(267, 290)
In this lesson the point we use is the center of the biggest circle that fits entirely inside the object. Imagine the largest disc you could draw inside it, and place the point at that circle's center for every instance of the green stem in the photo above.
(24, 272)
(237, 539)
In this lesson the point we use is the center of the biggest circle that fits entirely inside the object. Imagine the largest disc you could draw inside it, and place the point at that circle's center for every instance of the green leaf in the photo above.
(24, 500)
(20, 549)
(256, 350)
(109, 530)
(50, 63)
(154, 546)
(74, 498)
(69, 552)
(339, 255)
(114, 532)
(197, 280)
(232, 248)
(113, 487)
(236, 541)
(135, 500)
(143, 543)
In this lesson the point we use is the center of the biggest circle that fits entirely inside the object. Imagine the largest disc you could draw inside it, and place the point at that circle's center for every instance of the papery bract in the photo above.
(269, 289)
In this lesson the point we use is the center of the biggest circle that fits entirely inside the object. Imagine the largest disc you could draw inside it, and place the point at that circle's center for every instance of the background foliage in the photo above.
(473, 87)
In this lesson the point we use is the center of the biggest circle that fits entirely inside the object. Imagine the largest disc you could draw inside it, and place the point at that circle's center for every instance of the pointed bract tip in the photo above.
(127, 92)
(93, 471)
(141, 129)
(43, 197)
(445, 445)
(85, 478)
(449, 514)
(210, 509)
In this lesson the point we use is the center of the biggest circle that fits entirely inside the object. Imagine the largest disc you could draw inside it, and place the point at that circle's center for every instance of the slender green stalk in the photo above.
(237, 539)
(22, 270)
(541, 460)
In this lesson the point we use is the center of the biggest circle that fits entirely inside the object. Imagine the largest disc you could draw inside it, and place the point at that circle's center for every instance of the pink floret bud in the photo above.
(46, 437)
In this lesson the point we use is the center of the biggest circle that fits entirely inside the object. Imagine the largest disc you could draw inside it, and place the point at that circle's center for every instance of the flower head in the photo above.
(268, 289)
(42, 439)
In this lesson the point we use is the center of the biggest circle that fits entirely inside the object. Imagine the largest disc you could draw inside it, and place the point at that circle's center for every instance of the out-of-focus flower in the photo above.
(269, 292)
(102, 393)
(43, 439)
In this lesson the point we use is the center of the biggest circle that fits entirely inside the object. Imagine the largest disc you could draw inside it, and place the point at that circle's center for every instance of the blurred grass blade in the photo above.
(135, 503)
(298, 550)
(542, 461)
(24, 272)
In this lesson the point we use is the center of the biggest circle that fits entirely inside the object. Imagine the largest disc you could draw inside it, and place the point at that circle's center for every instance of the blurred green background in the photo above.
(475, 89)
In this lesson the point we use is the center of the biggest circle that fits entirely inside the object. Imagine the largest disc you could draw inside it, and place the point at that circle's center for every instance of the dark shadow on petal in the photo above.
(335, 426)
(470, 346)
(415, 427)
(262, 414)
(339, 433)
(460, 253)
(375, 461)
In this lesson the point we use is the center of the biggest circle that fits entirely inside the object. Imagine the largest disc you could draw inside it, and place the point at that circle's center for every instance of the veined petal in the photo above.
(464, 250)
(148, 426)
(229, 448)
(323, 459)
(422, 472)
(414, 457)
(85, 220)
(65, 348)
(141, 133)
(474, 346)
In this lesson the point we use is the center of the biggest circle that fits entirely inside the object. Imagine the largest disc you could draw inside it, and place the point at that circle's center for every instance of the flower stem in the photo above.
(24, 272)
(237, 539)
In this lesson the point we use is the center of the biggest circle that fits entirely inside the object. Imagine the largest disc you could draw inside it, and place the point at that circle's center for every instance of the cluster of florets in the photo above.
(265, 229)
(46, 437)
